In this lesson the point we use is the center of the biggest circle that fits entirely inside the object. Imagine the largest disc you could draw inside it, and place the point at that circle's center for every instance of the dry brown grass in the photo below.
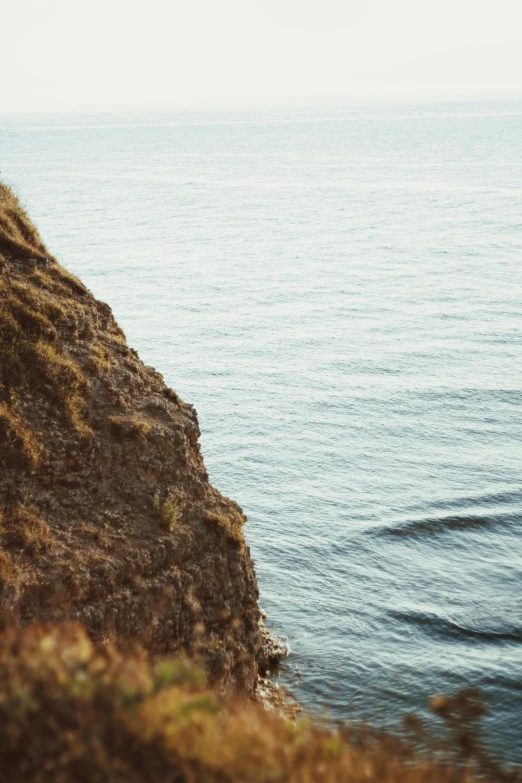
(18, 236)
(30, 353)
(58, 280)
(128, 427)
(19, 447)
(37, 305)
(22, 529)
(72, 712)
(8, 569)
(231, 527)
(100, 360)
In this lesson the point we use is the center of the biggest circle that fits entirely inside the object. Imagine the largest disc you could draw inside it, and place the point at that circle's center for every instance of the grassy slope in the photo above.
(31, 359)
(30, 356)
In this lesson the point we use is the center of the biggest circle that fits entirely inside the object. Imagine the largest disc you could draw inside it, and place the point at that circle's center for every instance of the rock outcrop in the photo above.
(106, 512)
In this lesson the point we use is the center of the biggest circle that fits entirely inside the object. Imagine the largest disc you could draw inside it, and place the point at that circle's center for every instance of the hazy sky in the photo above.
(61, 55)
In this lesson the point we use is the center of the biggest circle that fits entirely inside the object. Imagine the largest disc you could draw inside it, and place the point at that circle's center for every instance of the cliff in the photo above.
(106, 512)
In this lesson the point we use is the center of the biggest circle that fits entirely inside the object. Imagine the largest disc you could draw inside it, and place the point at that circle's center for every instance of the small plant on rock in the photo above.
(168, 512)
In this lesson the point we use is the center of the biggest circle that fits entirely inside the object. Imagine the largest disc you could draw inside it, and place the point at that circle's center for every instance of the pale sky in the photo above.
(99, 55)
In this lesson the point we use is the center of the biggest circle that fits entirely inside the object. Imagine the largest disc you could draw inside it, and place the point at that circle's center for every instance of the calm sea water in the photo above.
(339, 294)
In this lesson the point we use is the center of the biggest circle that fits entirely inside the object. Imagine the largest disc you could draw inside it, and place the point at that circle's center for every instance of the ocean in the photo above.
(339, 293)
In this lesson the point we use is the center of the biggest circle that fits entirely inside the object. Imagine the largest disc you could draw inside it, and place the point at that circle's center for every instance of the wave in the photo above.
(446, 628)
(489, 499)
(438, 525)
(507, 498)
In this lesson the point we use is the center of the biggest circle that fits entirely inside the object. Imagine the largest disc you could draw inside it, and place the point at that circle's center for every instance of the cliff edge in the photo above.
(106, 512)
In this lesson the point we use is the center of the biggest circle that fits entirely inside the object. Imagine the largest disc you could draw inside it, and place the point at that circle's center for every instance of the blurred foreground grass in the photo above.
(73, 712)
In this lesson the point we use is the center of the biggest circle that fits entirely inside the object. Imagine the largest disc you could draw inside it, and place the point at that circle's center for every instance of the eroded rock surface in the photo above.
(106, 512)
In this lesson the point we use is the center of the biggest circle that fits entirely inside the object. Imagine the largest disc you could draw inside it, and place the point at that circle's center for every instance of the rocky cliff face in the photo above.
(106, 512)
